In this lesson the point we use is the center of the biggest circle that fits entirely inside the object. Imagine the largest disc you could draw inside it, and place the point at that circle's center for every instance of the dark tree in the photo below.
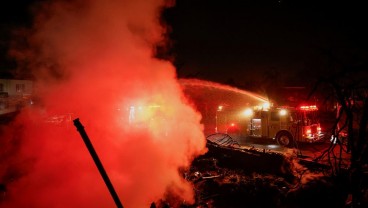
(345, 81)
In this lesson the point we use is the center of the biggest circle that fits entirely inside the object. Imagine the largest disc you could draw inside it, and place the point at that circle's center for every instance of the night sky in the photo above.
(13, 15)
(245, 42)
(242, 41)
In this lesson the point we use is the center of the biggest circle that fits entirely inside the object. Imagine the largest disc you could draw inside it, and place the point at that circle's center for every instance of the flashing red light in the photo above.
(343, 134)
(308, 108)
(233, 128)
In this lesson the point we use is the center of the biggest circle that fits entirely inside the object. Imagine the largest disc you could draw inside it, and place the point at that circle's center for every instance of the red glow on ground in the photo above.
(94, 60)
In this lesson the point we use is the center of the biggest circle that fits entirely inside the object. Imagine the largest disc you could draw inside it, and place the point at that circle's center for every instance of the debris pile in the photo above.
(228, 187)
(228, 176)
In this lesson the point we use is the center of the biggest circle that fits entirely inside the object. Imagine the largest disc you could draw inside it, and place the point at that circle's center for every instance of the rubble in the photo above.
(229, 176)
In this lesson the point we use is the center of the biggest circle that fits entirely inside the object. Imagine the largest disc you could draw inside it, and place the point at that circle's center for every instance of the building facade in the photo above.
(14, 94)
(16, 87)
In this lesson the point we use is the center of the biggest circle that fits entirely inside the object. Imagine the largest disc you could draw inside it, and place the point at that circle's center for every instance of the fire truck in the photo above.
(286, 125)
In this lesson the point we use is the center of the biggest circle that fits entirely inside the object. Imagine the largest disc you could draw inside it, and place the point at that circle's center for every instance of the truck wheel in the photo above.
(285, 139)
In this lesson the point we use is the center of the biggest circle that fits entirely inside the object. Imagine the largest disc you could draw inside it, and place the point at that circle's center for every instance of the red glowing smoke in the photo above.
(93, 60)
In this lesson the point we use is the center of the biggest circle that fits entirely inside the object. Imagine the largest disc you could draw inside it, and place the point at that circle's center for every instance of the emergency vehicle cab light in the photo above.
(248, 112)
(266, 106)
(219, 108)
(282, 112)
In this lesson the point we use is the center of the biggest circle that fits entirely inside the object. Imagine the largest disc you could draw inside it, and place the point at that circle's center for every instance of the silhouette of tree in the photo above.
(345, 80)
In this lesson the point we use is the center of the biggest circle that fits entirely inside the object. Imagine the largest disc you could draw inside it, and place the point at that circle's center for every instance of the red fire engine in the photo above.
(287, 125)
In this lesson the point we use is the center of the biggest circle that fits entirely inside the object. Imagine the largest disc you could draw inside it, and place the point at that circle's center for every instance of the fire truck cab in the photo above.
(287, 125)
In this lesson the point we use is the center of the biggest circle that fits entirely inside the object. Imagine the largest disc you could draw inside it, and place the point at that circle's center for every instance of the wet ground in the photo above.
(270, 144)
(321, 152)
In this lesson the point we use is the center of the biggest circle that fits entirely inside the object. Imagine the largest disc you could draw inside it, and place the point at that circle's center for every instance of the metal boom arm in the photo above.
(97, 161)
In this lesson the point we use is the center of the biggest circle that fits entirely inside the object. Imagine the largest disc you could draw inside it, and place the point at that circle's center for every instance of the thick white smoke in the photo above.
(94, 60)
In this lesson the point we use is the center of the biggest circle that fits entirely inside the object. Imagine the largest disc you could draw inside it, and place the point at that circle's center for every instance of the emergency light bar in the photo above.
(308, 108)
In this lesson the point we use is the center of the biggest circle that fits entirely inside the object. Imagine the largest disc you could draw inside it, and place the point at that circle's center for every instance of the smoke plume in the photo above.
(94, 60)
